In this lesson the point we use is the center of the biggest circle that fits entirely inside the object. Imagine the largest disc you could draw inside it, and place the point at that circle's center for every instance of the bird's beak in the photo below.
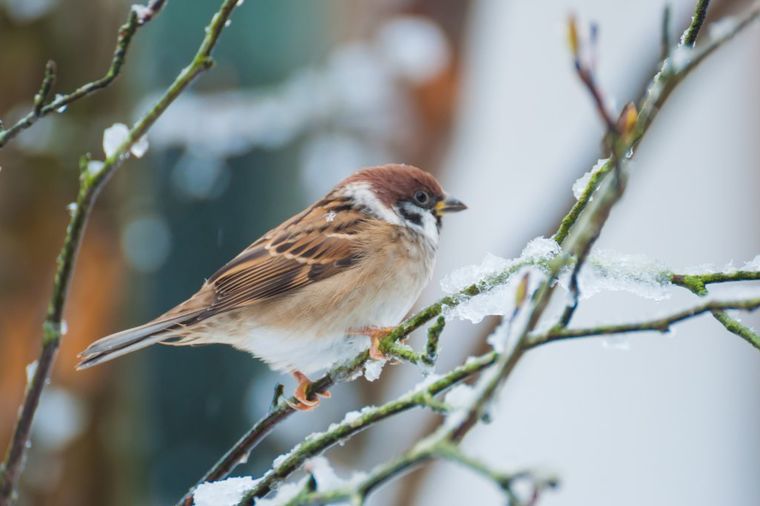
(449, 205)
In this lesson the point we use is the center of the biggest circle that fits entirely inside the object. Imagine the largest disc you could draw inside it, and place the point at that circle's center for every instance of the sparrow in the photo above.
(320, 288)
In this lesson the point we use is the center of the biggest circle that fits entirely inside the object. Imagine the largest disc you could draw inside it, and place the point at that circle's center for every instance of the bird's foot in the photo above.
(306, 400)
(376, 334)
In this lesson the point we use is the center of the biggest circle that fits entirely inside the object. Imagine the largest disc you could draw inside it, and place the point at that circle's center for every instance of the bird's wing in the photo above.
(318, 243)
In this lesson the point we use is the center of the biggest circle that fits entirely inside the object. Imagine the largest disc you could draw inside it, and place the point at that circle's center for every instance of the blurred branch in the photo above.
(658, 91)
(689, 37)
(665, 36)
(658, 325)
(670, 74)
(576, 233)
(617, 141)
(138, 16)
(92, 178)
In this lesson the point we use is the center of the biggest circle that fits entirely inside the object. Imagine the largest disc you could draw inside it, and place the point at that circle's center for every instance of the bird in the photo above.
(320, 288)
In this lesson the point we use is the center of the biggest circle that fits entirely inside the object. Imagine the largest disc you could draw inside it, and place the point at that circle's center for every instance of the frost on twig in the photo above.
(495, 299)
(117, 135)
(580, 185)
(227, 492)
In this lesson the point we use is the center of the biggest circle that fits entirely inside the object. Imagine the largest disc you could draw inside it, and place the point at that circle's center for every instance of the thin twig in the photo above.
(735, 327)
(689, 37)
(658, 325)
(48, 80)
(665, 36)
(696, 282)
(90, 186)
(319, 442)
(431, 345)
(60, 102)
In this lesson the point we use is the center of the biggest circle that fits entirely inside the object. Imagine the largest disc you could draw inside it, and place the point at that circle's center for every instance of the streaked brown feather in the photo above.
(291, 256)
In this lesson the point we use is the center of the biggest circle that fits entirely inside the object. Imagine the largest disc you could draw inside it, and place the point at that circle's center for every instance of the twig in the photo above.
(735, 327)
(665, 36)
(89, 187)
(263, 427)
(669, 77)
(616, 139)
(696, 282)
(319, 442)
(689, 37)
(47, 83)
(585, 70)
(663, 83)
(126, 31)
(431, 345)
(658, 325)
(279, 389)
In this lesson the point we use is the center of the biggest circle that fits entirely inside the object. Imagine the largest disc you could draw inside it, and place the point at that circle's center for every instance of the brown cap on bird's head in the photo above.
(397, 182)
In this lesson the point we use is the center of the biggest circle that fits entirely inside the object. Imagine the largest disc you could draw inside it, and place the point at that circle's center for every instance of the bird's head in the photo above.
(402, 195)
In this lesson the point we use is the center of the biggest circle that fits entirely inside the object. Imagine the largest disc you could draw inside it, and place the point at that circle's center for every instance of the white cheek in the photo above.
(363, 195)
(430, 227)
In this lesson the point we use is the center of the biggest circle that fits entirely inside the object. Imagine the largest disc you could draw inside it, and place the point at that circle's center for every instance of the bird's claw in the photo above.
(306, 400)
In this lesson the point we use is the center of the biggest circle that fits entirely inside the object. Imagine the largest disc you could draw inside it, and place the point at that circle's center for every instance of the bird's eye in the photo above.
(422, 198)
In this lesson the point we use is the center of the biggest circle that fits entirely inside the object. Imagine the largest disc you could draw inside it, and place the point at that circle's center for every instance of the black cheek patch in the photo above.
(411, 217)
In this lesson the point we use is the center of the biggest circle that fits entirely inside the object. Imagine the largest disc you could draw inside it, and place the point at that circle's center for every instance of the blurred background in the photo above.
(480, 92)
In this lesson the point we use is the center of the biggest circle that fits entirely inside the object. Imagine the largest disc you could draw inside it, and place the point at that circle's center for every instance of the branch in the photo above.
(439, 444)
(689, 37)
(669, 76)
(696, 282)
(665, 32)
(263, 427)
(584, 233)
(90, 183)
(662, 83)
(319, 442)
(137, 18)
(658, 91)
(658, 325)
(735, 327)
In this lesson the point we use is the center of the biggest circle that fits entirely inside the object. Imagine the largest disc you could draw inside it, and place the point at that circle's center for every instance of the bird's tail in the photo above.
(127, 341)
